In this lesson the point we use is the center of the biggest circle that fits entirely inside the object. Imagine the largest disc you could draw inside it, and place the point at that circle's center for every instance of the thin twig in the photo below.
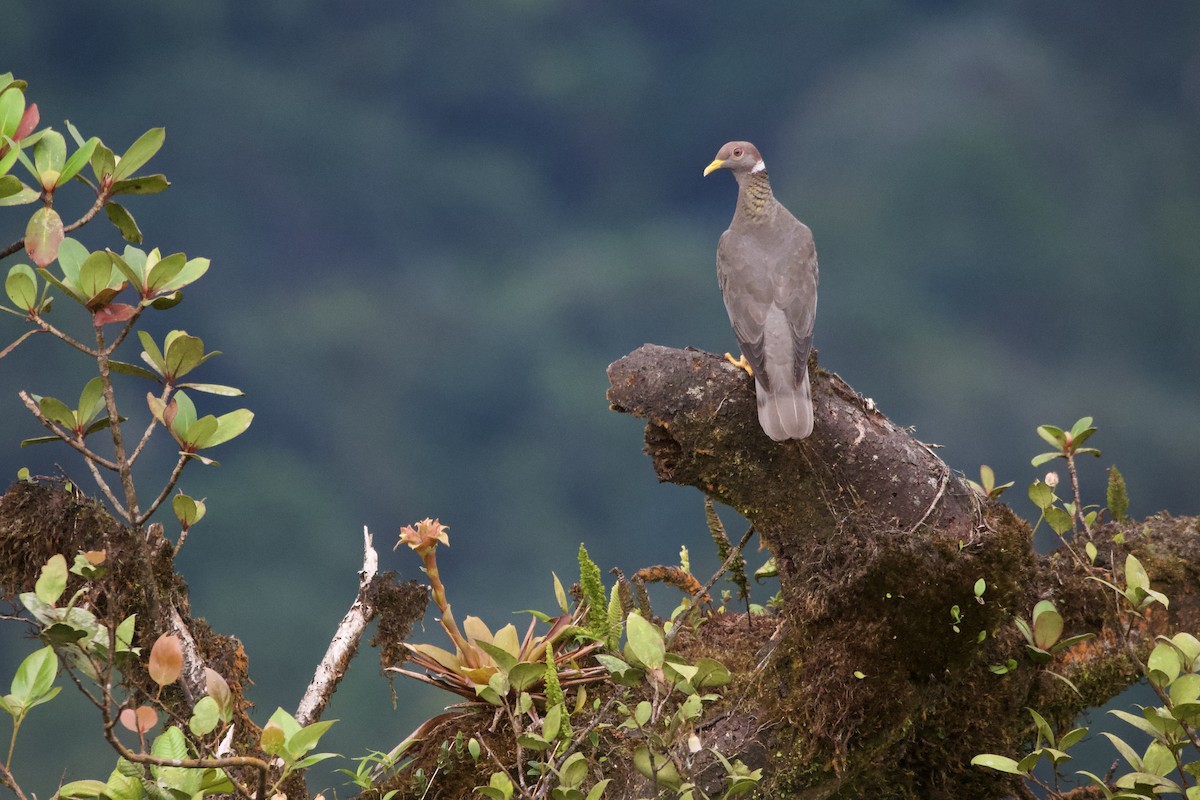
(124, 468)
(20, 339)
(166, 491)
(104, 487)
(137, 451)
(733, 554)
(62, 434)
(187, 763)
(78, 345)
(7, 779)
(1078, 496)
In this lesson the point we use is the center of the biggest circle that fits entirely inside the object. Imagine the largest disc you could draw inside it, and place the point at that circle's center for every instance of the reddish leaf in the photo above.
(95, 557)
(166, 660)
(169, 414)
(43, 235)
(114, 312)
(29, 121)
(139, 720)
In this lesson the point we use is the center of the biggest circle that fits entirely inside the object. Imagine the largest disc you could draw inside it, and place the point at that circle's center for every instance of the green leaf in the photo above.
(103, 162)
(16, 196)
(1158, 759)
(183, 354)
(34, 678)
(170, 744)
(1135, 574)
(134, 370)
(526, 674)
(1141, 723)
(1164, 659)
(40, 440)
(81, 789)
(1024, 628)
(1189, 648)
(152, 355)
(574, 770)
(552, 722)
(139, 153)
(217, 389)
(645, 641)
(999, 763)
(307, 738)
(1098, 782)
(9, 184)
(91, 402)
(1045, 732)
(43, 236)
(657, 767)
(1047, 629)
(198, 434)
(1071, 738)
(77, 160)
(56, 410)
(1042, 458)
(1055, 437)
(1127, 752)
(95, 275)
(192, 271)
(71, 255)
(504, 659)
(230, 426)
(120, 217)
(980, 587)
(710, 674)
(12, 107)
(1059, 520)
(187, 510)
(49, 154)
(143, 184)
(205, 716)
(185, 412)
(1081, 426)
(165, 271)
(22, 287)
(52, 581)
(1041, 495)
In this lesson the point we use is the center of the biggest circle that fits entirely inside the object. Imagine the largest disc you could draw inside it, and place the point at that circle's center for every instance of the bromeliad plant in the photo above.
(490, 666)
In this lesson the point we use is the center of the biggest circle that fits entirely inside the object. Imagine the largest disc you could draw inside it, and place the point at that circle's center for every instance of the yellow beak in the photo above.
(717, 164)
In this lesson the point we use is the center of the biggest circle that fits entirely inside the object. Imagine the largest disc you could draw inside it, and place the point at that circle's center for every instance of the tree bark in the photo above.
(879, 675)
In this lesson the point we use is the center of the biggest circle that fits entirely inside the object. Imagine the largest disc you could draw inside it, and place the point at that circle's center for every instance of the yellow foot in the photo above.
(740, 363)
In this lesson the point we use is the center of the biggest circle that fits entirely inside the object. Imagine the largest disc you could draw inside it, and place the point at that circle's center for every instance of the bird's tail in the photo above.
(785, 412)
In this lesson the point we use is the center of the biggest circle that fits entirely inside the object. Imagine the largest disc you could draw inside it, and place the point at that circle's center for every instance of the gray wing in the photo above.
(757, 275)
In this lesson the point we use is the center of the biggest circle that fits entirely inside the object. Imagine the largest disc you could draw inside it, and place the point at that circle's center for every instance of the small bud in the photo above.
(1051, 479)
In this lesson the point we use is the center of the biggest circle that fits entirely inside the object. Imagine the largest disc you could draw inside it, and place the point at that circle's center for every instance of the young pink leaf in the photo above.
(43, 235)
(166, 660)
(113, 312)
(29, 121)
(139, 720)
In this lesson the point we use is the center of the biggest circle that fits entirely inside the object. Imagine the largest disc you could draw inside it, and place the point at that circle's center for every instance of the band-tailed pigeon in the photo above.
(767, 269)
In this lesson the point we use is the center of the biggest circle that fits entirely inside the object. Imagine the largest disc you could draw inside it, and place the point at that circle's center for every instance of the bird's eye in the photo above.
(738, 152)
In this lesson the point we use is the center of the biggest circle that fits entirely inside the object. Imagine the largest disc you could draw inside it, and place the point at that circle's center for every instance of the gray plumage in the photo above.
(767, 270)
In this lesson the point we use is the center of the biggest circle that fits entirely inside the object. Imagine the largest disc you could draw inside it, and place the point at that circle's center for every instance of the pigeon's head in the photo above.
(740, 157)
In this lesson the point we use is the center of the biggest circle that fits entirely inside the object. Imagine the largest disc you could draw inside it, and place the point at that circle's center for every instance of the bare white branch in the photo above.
(344, 643)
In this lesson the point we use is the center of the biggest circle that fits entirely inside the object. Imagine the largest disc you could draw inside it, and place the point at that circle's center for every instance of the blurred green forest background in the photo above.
(433, 225)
